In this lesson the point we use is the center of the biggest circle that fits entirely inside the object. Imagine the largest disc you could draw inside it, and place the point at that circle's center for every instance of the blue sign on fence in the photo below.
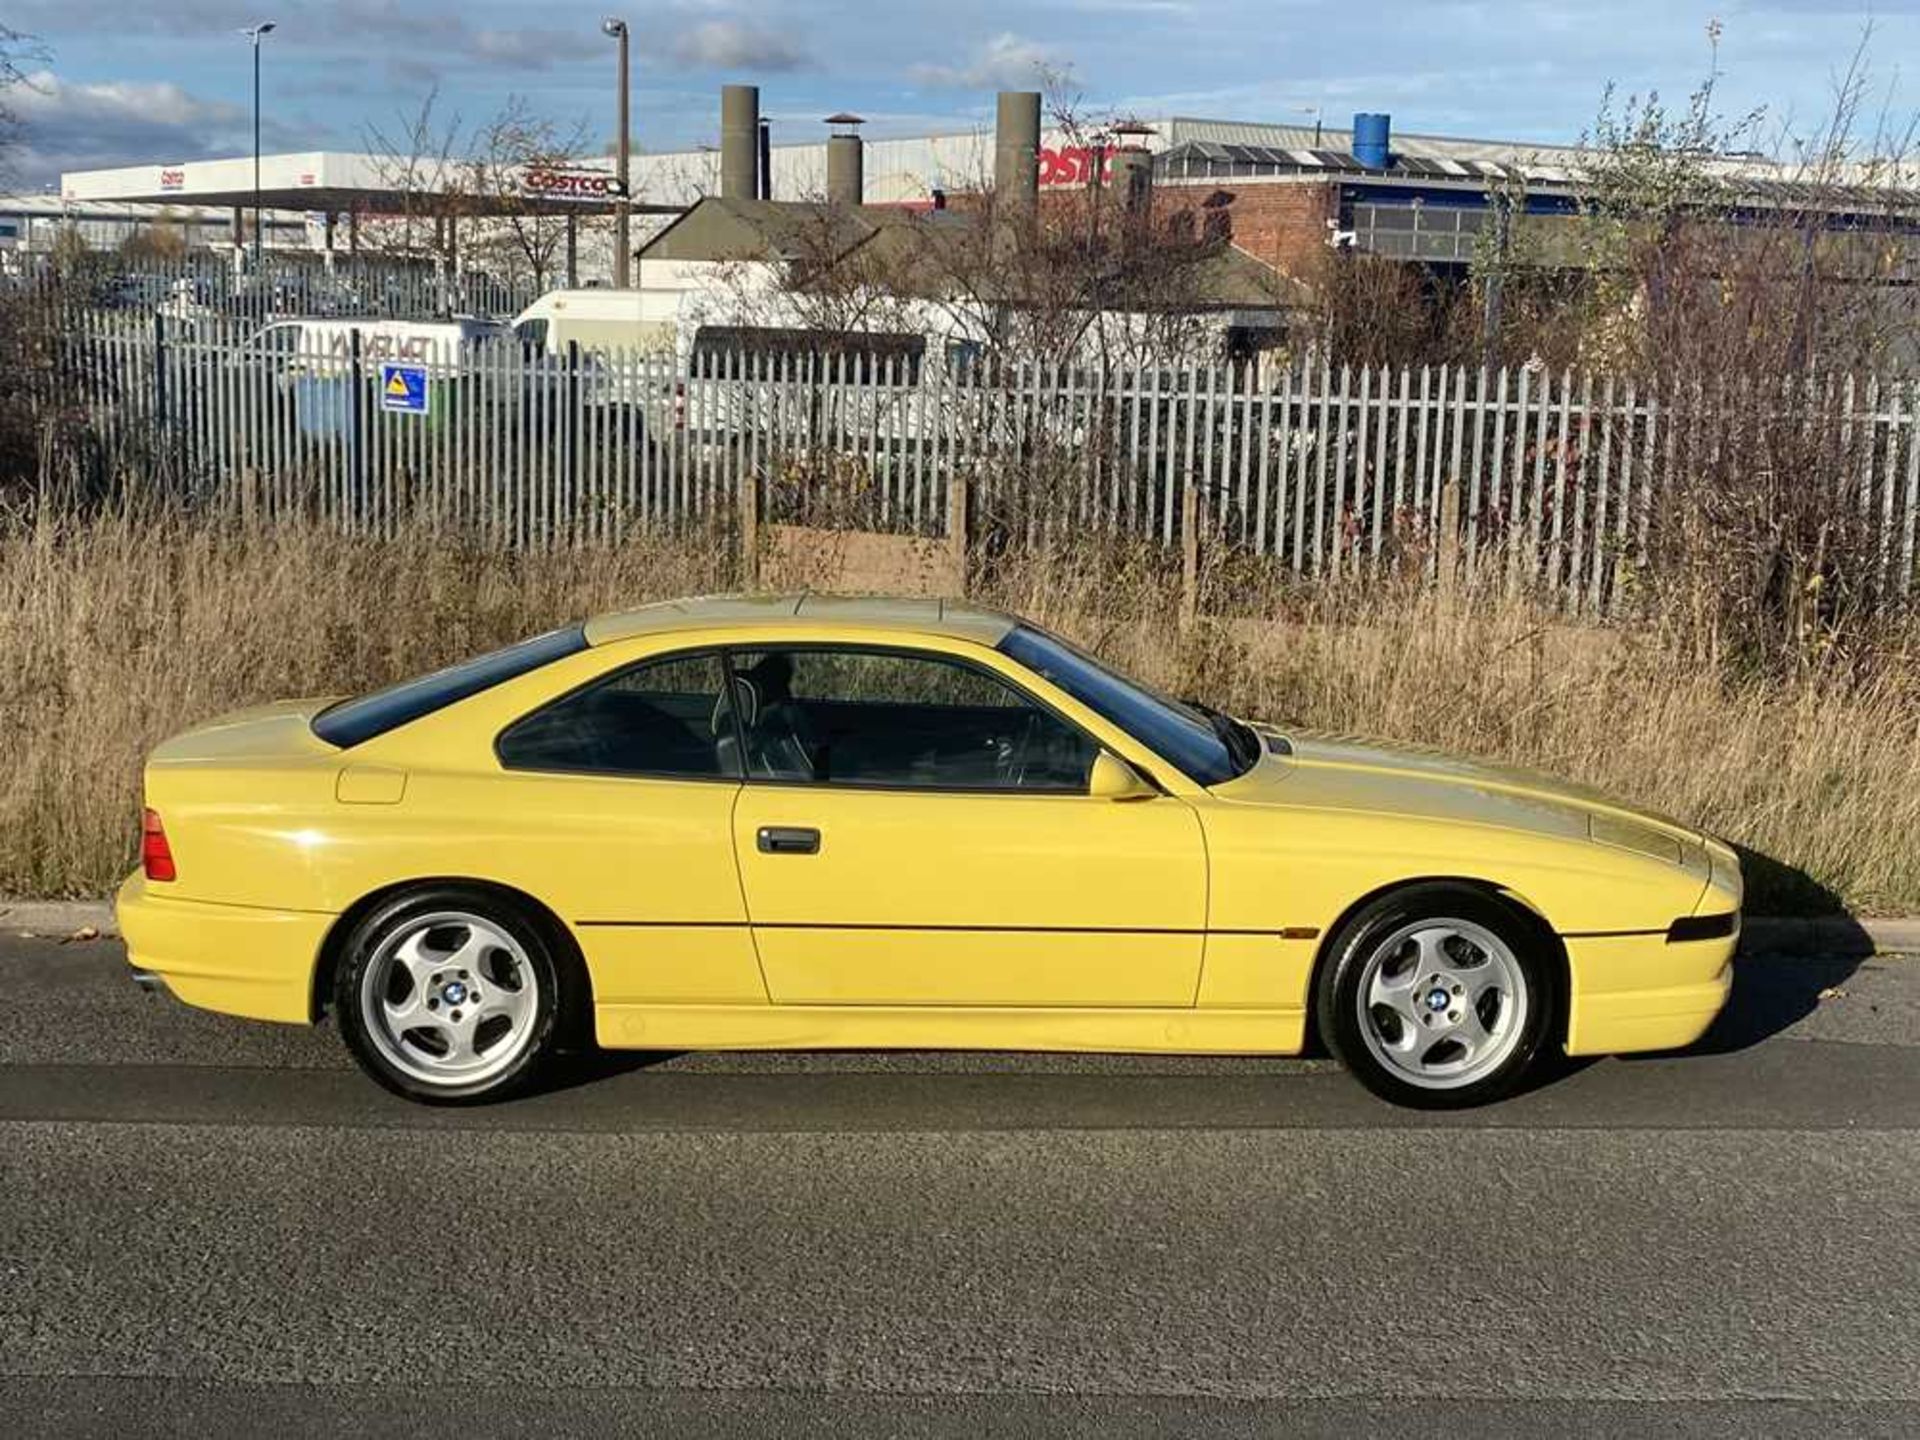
(403, 388)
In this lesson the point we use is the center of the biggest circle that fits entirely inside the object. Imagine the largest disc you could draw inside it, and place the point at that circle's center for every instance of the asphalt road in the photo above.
(209, 1227)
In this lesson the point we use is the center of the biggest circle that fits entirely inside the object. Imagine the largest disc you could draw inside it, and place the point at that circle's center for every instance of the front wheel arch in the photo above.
(1523, 911)
(576, 986)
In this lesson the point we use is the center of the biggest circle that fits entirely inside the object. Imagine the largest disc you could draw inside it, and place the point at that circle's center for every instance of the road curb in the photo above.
(1828, 935)
(1762, 935)
(56, 917)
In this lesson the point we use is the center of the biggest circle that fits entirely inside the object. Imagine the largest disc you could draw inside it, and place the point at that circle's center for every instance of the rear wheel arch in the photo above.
(1524, 913)
(577, 982)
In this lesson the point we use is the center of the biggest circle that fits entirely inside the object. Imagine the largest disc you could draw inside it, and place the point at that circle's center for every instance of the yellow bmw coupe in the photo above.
(810, 822)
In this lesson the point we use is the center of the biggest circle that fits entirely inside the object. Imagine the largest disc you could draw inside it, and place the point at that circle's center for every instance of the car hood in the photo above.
(1306, 770)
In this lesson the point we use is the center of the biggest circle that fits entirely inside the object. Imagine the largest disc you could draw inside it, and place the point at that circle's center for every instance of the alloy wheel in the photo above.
(450, 999)
(1442, 1003)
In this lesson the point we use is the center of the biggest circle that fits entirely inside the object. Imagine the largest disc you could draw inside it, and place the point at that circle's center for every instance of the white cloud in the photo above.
(734, 45)
(69, 126)
(1006, 62)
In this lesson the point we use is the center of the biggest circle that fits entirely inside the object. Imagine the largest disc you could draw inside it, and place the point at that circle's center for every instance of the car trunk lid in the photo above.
(282, 730)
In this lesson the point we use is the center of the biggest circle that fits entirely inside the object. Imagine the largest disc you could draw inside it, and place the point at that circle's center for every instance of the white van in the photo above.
(627, 341)
(325, 347)
(600, 322)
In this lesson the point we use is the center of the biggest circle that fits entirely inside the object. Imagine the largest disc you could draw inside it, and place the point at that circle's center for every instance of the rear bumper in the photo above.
(1640, 992)
(237, 959)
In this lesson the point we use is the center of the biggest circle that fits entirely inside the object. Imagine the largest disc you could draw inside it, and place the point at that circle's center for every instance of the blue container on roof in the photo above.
(1372, 141)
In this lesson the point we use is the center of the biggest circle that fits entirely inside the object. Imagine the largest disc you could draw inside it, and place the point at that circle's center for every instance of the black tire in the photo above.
(1353, 1035)
(403, 1064)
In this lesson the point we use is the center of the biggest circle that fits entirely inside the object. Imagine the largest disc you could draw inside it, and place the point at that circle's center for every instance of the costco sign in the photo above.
(569, 184)
(1072, 164)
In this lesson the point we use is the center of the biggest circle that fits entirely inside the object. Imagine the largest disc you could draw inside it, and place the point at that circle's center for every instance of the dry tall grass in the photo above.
(120, 629)
(1815, 774)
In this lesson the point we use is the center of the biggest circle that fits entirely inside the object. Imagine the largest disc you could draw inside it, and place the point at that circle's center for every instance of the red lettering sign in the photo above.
(1071, 165)
(173, 179)
(568, 184)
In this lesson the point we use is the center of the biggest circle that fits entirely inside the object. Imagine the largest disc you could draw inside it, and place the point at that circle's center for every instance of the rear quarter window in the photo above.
(353, 722)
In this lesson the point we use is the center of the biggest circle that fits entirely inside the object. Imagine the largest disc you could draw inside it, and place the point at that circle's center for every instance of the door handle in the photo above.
(789, 840)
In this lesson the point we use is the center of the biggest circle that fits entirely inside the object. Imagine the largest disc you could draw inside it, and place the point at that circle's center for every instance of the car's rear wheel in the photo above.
(449, 995)
(1438, 996)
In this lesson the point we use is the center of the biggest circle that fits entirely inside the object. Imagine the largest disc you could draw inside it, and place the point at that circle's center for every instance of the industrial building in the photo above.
(325, 200)
(1280, 195)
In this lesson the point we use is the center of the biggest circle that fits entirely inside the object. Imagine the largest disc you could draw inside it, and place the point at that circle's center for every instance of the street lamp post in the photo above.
(617, 29)
(255, 33)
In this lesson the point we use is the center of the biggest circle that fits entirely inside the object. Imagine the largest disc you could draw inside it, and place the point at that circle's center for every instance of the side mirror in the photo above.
(1114, 779)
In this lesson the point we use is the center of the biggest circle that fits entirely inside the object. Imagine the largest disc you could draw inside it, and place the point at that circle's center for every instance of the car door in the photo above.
(915, 829)
(620, 796)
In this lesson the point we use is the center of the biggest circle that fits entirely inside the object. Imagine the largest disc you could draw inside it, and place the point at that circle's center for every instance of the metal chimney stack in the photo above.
(739, 141)
(1016, 149)
(846, 161)
(1132, 166)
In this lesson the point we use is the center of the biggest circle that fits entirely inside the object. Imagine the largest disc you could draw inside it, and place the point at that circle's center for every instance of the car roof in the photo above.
(800, 613)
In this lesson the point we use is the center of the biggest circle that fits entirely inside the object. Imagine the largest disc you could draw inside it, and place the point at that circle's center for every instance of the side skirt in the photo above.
(884, 1027)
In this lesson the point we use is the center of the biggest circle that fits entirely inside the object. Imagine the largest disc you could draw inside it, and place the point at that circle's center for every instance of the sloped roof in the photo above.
(1761, 185)
(728, 228)
(921, 254)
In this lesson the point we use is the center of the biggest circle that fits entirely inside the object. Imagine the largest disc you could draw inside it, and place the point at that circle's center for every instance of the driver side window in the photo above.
(897, 720)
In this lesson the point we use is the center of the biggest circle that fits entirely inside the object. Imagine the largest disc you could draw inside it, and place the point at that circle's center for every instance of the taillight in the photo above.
(156, 858)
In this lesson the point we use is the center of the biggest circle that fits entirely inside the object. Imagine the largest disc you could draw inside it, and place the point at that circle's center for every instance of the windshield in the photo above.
(1178, 732)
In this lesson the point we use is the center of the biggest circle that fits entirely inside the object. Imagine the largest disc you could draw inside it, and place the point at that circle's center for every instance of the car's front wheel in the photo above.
(449, 995)
(1438, 996)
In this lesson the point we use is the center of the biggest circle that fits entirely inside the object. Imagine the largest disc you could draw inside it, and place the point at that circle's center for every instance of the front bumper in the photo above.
(1643, 992)
(237, 959)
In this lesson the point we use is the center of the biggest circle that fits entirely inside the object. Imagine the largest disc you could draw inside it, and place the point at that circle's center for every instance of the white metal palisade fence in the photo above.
(1327, 469)
(288, 283)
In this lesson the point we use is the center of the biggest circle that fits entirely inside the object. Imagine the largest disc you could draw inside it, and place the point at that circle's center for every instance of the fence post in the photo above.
(957, 531)
(750, 530)
(356, 451)
(159, 368)
(1189, 549)
(1448, 567)
(572, 463)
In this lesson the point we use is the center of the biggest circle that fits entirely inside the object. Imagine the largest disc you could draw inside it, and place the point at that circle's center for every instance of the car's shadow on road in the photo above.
(1773, 989)
(1772, 992)
(574, 1068)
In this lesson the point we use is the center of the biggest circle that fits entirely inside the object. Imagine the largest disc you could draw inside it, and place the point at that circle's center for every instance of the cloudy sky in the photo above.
(125, 81)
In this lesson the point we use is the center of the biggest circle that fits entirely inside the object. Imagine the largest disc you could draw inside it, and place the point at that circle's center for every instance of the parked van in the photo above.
(627, 342)
(600, 322)
(325, 347)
